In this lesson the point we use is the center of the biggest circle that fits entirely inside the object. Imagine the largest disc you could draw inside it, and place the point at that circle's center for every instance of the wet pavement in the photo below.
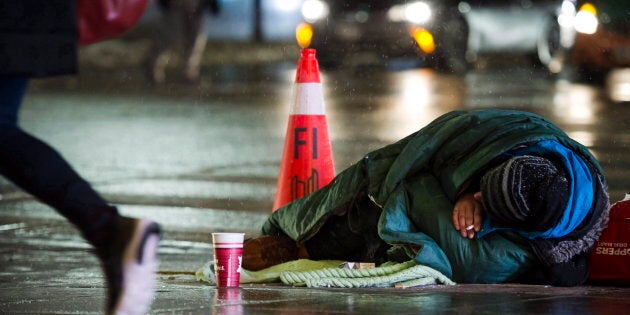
(202, 158)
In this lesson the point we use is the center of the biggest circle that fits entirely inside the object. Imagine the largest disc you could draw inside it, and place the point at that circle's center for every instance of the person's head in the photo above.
(525, 192)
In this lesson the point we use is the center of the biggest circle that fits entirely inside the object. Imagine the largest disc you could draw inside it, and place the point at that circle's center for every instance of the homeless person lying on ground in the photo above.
(484, 196)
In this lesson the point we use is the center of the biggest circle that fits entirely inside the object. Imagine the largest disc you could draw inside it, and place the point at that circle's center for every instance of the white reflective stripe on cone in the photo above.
(309, 99)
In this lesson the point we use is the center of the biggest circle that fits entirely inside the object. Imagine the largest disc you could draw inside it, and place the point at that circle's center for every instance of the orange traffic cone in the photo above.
(307, 162)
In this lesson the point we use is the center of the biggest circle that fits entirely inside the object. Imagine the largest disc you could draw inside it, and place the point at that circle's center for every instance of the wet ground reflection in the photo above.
(459, 300)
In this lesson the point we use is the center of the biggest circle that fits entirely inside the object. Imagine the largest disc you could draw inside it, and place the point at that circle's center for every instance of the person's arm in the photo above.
(467, 214)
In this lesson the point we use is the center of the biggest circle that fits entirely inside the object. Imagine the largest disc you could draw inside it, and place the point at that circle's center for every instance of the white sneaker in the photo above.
(131, 267)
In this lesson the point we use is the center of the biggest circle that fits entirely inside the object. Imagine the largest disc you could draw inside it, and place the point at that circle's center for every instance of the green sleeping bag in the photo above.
(414, 182)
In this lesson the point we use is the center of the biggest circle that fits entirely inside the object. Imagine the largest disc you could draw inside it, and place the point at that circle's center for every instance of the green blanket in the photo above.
(416, 180)
(327, 273)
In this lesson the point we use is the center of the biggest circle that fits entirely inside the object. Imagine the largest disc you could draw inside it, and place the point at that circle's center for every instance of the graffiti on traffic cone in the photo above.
(307, 162)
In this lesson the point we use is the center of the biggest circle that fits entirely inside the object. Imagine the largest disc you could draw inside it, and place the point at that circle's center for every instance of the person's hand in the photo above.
(467, 214)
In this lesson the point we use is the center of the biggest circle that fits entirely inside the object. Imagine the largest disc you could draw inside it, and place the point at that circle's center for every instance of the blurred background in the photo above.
(183, 118)
(571, 40)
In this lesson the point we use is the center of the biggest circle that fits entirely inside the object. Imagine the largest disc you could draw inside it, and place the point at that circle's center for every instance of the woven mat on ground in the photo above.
(326, 273)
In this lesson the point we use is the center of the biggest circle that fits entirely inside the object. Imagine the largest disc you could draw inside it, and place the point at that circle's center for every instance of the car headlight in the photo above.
(418, 12)
(586, 19)
(566, 22)
(566, 16)
(415, 12)
(314, 10)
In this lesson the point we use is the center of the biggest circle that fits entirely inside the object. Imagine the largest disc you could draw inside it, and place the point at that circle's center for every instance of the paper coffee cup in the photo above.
(228, 256)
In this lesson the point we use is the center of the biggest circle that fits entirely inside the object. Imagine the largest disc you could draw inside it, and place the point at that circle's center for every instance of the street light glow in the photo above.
(313, 10)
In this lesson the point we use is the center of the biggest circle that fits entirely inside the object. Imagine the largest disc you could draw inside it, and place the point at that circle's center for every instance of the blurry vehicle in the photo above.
(447, 35)
(602, 41)
(384, 29)
(538, 28)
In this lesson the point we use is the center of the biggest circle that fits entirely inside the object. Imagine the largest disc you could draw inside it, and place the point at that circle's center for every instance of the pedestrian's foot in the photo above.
(157, 75)
(191, 76)
(155, 68)
(130, 264)
(266, 251)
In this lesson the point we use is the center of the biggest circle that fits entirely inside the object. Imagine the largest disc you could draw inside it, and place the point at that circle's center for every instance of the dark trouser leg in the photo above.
(41, 171)
(351, 237)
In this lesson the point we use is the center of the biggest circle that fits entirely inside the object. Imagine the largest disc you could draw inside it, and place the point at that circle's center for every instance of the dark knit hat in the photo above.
(526, 192)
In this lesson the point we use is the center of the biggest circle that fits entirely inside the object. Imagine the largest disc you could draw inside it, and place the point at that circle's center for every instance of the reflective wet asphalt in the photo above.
(202, 158)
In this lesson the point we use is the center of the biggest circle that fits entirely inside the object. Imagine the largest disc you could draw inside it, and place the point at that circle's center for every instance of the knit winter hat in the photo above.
(526, 192)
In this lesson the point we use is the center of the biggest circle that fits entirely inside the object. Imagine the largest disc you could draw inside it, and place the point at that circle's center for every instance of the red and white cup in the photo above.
(228, 256)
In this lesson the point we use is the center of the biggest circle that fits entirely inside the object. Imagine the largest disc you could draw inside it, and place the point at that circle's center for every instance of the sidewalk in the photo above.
(131, 52)
(47, 269)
